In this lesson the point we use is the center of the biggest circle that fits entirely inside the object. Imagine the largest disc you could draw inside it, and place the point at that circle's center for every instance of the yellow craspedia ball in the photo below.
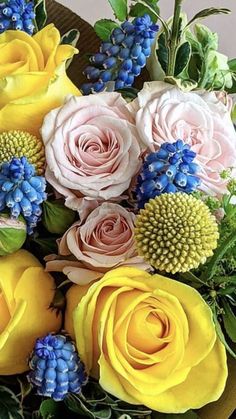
(19, 144)
(176, 232)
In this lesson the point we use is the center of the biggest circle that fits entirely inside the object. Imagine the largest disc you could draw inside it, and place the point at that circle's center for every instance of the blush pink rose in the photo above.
(201, 119)
(103, 241)
(92, 148)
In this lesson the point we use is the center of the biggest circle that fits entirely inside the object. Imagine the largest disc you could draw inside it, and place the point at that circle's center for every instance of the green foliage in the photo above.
(148, 6)
(56, 217)
(182, 57)
(208, 12)
(162, 52)
(40, 14)
(10, 406)
(49, 409)
(104, 27)
(120, 9)
(71, 37)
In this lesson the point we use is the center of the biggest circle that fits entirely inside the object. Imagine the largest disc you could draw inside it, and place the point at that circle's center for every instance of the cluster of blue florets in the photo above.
(21, 191)
(56, 368)
(122, 58)
(17, 15)
(169, 170)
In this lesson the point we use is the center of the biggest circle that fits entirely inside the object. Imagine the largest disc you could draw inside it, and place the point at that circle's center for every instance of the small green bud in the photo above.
(12, 234)
(57, 218)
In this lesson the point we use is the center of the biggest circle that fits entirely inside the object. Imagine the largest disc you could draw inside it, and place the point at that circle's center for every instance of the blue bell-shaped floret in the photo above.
(56, 368)
(169, 170)
(18, 15)
(21, 191)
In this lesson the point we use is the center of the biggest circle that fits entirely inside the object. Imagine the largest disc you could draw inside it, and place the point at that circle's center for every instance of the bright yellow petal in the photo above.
(36, 289)
(48, 40)
(10, 36)
(4, 313)
(11, 269)
(28, 114)
(204, 384)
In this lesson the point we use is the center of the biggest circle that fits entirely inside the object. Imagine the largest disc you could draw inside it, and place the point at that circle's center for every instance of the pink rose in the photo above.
(103, 241)
(165, 113)
(92, 148)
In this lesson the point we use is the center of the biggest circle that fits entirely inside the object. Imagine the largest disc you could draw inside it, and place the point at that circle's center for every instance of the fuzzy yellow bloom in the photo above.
(33, 78)
(150, 340)
(26, 292)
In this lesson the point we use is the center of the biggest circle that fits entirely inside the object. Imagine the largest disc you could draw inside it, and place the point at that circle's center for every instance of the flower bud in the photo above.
(56, 217)
(12, 234)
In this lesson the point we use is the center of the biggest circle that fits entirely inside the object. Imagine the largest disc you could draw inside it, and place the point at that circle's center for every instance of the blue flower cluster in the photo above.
(56, 368)
(18, 15)
(169, 170)
(21, 191)
(122, 58)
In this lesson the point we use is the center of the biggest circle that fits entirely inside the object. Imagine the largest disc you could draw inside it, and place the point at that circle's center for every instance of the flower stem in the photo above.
(174, 39)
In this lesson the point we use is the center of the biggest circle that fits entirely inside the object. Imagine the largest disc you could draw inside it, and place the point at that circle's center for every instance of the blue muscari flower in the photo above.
(18, 15)
(122, 57)
(169, 170)
(21, 191)
(56, 367)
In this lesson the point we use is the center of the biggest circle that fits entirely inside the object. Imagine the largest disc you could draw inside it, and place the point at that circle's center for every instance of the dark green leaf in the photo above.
(120, 9)
(40, 14)
(221, 334)
(188, 415)
(129, 92)
(218, 255)
(104, 27)
(47, 245)
(75, 404)
(49, 409)
(57, 218)
(71, 37)
(140, 9)
(232, 65)
(208, 12)
(229, 319)
(25, 387)
(182, 57)
(10, 406)
(163, 52)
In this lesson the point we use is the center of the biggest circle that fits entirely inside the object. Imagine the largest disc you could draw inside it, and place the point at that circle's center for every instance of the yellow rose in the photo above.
(26, 292)
(33, 79)
(150, 339)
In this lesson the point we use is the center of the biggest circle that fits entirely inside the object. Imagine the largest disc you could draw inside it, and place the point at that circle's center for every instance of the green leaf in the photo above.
(49, 409)
(128, 92)
(71, 37)
(232, 65)
(40, 14)
(221, 334)
(163, 52)
(229, 319)
(104, 27)
(120, 9)
(188, 415)
(218, 255)
(184, 85)
(182, 57)
(208, 12)
(47, 245)
(10, 406)
(25, 386)
(139, 9)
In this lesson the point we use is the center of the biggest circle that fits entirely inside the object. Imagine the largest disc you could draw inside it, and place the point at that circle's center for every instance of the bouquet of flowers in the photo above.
(117, 217)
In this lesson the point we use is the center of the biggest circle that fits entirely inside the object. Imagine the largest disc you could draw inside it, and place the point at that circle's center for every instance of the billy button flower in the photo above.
(21, 191)
(18, 15)
(176, 232)
(122, 57)
(20, 143)
(169, 170)
(56, 367)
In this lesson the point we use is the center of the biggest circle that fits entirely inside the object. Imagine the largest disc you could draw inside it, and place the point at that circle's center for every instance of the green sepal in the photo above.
(104, 28)
(40, 14)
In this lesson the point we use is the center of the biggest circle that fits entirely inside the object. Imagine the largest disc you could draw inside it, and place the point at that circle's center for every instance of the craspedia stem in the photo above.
(176, 232)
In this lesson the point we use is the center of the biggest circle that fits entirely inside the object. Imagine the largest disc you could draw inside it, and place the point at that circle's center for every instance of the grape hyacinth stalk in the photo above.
(17, 15)
(21, 191)
(122, 57)
(56, 367)
(169, 170)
